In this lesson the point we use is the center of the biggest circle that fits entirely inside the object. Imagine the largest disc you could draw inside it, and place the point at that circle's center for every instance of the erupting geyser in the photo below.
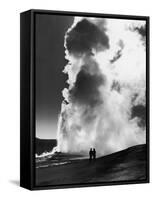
(106, 78)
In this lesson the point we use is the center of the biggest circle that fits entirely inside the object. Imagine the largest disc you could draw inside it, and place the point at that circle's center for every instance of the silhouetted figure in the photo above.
(94, 154)
(90, 154)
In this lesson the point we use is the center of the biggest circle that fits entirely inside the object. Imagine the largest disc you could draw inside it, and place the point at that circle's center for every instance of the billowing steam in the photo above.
(104, 104)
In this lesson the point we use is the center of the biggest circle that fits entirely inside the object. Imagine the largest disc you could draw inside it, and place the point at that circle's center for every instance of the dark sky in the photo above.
(50, 61)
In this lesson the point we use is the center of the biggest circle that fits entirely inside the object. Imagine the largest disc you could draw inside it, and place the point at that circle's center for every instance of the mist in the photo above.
(106, 86)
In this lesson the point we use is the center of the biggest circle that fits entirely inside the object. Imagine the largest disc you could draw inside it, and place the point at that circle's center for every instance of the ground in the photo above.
(126, 165)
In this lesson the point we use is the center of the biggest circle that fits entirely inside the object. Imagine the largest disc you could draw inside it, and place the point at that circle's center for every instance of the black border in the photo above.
(32, 94)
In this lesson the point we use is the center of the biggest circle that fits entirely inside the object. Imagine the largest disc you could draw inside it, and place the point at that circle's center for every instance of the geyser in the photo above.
(106, 78)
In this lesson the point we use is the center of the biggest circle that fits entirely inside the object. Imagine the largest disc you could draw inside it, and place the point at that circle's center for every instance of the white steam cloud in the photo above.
(106, 78)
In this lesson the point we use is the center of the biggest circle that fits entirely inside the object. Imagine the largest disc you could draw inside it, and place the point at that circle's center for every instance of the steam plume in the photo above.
(106, 78)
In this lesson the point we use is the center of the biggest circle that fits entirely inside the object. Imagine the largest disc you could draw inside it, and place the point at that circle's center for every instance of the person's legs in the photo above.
(94, 155)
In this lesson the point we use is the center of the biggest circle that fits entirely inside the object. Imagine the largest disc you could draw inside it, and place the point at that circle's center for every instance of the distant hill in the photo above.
(127, 165)
(43, 145)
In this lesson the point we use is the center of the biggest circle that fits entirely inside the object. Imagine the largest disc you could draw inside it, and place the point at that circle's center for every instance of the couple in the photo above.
(92, 154)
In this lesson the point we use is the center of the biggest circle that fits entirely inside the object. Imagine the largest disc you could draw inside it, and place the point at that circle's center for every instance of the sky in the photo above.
(50, 62)
(50, 81)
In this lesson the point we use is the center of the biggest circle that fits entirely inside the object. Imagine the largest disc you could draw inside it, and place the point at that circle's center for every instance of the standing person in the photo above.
(94, 154)
(90, 154)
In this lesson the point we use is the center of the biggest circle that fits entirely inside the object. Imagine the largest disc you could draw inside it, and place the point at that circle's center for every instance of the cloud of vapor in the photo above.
(84, 37)
(104, 104)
